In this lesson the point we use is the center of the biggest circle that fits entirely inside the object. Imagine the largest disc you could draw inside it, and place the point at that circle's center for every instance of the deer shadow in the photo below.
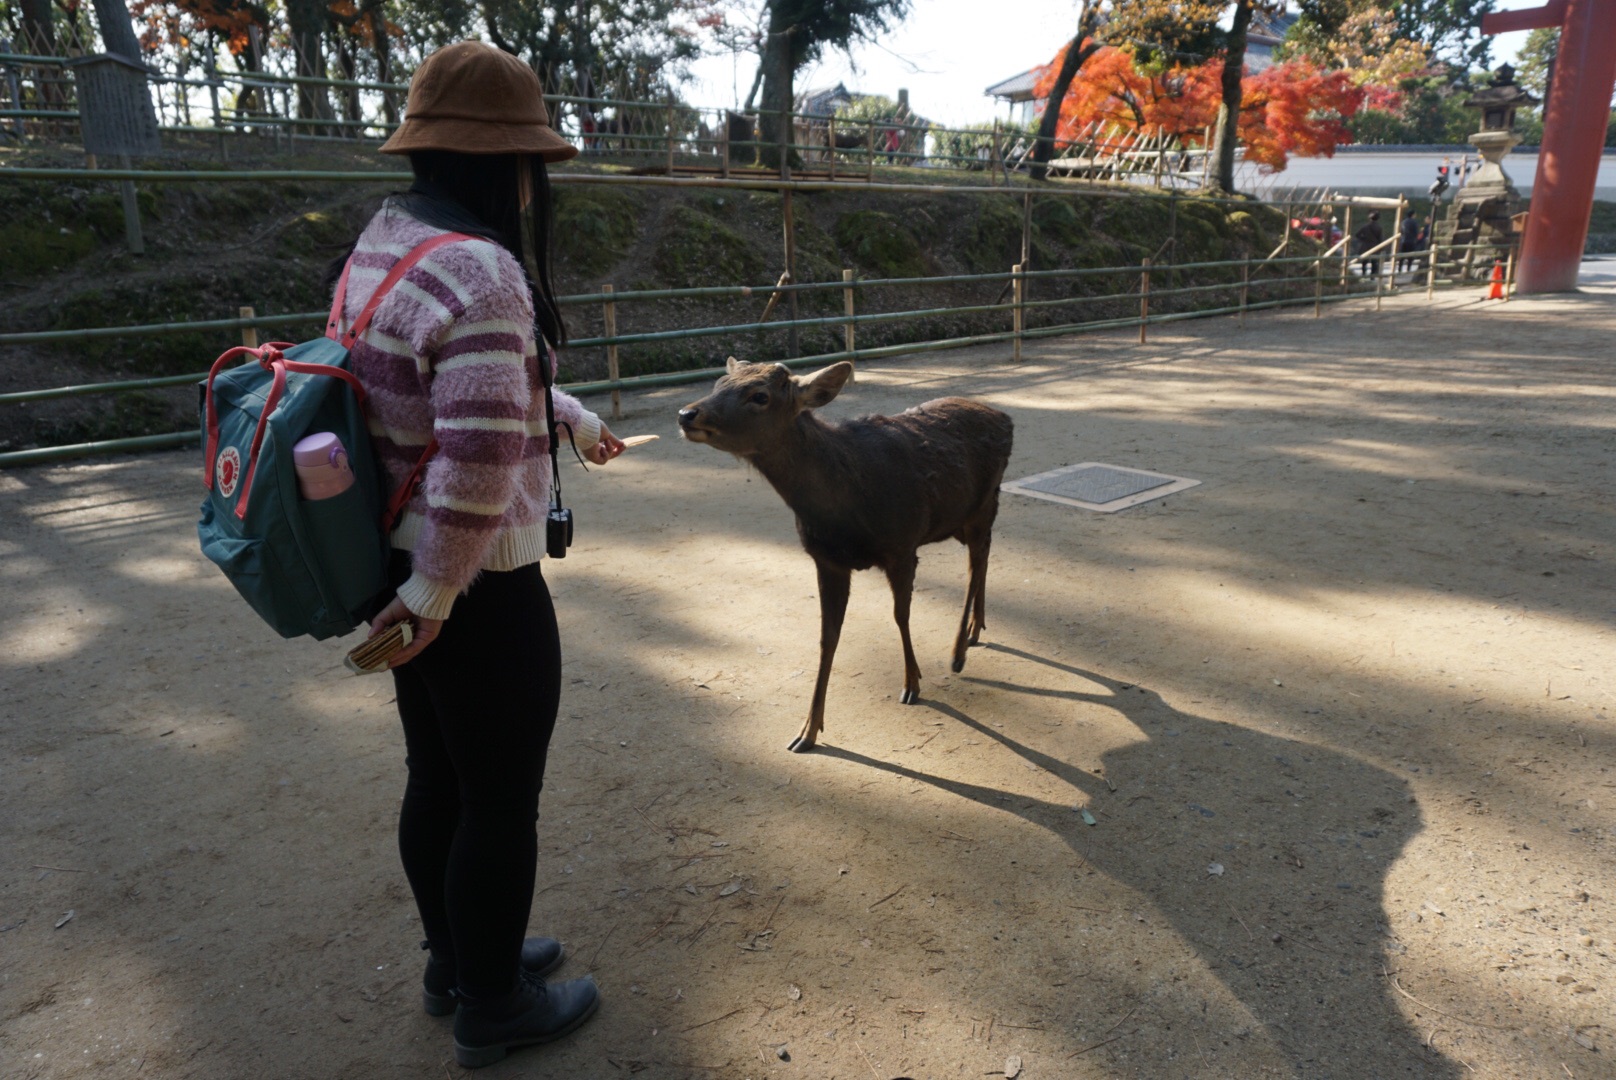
(1270, 866)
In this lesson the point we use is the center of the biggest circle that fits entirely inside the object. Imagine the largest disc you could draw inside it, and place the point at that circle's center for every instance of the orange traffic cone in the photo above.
(1497, 290)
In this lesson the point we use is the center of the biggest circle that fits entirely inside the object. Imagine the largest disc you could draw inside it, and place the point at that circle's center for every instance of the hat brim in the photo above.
(467, 136)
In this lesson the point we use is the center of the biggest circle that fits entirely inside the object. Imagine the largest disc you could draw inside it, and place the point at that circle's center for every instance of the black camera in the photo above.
(558, 532)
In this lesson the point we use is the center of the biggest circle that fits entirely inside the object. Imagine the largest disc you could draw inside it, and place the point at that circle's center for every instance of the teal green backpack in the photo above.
(308, 567)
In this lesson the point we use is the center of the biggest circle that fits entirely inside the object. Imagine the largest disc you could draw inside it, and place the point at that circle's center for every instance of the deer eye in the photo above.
(759, 398)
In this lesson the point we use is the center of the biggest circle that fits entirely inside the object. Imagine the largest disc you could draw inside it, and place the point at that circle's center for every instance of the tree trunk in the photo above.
(384, 62)
(308, 19)
(751, 95)
(774, 123)
(38, 31)
(1077, 53)
(1228, 129)
(117, 29)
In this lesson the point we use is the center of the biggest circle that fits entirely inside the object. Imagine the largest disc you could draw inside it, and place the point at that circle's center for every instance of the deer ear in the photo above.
(733, 365)
(822, 386)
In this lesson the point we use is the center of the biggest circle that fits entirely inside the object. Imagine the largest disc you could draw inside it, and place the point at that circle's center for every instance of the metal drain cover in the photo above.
(1093, 485)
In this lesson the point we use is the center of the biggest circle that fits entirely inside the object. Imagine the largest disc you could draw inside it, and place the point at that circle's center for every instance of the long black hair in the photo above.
(481, 195)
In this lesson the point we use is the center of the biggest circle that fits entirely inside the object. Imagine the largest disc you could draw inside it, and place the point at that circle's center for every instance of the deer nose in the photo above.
(687, 417)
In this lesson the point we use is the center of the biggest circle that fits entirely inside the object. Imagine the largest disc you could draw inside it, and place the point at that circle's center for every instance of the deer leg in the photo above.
(979, 575)
(901, 576)
(834, 585)
(972, 619)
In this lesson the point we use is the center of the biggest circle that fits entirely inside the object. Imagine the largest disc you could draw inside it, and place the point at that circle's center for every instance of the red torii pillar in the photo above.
(1574, 121)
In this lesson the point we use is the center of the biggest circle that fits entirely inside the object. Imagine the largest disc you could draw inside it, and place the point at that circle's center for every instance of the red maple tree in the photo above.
(1291, 108)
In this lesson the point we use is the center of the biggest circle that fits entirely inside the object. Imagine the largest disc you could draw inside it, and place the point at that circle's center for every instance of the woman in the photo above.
(454, 353)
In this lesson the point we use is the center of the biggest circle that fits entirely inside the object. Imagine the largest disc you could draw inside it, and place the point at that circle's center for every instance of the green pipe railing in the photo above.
(43, 455)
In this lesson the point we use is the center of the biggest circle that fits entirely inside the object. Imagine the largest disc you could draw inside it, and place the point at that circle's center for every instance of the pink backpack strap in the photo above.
(394, 276)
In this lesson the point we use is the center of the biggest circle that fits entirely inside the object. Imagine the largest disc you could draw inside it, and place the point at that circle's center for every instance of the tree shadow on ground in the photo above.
(1274, 876)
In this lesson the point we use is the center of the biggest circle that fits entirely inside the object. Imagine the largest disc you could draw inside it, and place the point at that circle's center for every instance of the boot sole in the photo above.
(475, 1057)
(446, 1004)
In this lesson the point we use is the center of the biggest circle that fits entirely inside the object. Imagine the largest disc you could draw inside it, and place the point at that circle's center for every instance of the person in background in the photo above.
(1368, 235)
(1408, 243)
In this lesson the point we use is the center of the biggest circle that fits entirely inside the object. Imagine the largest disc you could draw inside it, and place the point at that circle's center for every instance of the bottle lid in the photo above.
(319, 449)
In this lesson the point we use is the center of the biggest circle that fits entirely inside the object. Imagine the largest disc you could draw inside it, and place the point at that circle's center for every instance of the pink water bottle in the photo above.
(322, 466)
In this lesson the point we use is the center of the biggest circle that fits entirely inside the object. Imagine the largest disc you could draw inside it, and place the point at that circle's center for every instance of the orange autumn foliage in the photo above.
(1292, 108)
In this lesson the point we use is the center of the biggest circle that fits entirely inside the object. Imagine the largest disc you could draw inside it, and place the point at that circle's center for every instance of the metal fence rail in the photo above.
(1299, 272)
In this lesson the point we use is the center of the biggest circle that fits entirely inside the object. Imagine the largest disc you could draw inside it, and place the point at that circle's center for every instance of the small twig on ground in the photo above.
(950, 834)
(602, 945)
(674, 914)
(1473, 1023)
(1243, 926)
(63, 869)
(767, 922)
(714, 1020)
(691, 940)
(888, 896)
(873, 1070)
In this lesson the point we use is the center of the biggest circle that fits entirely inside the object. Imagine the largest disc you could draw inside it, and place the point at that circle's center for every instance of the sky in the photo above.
(945, 54)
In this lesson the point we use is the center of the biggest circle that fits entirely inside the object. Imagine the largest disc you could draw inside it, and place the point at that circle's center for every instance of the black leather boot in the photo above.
(536, 1012)
(540, 956)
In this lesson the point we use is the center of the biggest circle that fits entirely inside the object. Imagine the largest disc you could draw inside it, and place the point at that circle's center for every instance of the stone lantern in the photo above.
(1482, 211)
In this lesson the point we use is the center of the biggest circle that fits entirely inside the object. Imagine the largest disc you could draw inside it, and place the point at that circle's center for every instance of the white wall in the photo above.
(1361, 171)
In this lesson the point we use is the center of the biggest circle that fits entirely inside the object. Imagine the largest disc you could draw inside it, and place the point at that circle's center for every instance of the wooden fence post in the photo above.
(1346, 249)
(670, 134)
(723, 169)
(1144, 300)
(789, 227)
(869, 170)
(1245, 289)
(1026, 230)
(1318, 286)
(830, 140)
(848, 341)
(1430, 268)
(1016, 314)
(612, 369)
(1509, 274)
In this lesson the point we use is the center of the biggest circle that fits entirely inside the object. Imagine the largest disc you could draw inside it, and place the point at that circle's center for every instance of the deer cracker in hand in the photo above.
(866, 492)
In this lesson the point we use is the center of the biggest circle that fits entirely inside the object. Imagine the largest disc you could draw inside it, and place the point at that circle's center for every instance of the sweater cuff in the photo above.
(427, 599)
(586, 432)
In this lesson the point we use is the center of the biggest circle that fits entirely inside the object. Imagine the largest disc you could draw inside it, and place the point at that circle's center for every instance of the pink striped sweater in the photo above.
(451, 353)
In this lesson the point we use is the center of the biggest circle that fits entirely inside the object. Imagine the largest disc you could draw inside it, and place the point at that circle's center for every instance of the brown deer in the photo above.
(866, 492)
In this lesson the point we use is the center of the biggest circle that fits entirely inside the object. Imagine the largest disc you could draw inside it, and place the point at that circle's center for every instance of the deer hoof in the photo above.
(958, 665)
(800, 745)
(909, 697)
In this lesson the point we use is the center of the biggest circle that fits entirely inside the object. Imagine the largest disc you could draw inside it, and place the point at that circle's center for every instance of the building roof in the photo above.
(824, 101)
(1016, 87)
(1269, 29)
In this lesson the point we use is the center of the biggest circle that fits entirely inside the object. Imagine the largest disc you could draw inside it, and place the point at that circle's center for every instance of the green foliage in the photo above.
(1451, 29)
(880, 244)
(1536, 58)
(818, 24)
(995, 235)
(594, 227)
(315, 233)
(1432, 113)
(697, 248)
(967, 144)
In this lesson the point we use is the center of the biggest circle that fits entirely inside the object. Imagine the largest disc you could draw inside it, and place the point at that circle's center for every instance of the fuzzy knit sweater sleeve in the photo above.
(452, 357)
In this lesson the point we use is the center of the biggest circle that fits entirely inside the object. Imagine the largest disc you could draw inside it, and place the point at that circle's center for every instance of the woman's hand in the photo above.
(425, 630)
(608, 447)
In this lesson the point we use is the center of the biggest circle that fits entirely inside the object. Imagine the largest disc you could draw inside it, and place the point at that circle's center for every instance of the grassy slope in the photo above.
(214, 247)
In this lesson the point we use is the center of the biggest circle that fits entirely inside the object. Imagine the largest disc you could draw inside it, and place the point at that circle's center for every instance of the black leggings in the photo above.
(479, 706)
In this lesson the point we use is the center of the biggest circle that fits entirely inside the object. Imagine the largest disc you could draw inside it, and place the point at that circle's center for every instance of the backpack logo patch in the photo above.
(227, 471)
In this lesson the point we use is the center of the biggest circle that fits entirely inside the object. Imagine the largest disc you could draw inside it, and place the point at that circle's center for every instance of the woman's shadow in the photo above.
(1267, 855)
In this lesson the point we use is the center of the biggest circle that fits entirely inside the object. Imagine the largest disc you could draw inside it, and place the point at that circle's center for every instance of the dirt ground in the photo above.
(1341, 716)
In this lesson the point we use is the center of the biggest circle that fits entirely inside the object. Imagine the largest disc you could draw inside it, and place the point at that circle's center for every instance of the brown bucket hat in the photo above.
(475, 99)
